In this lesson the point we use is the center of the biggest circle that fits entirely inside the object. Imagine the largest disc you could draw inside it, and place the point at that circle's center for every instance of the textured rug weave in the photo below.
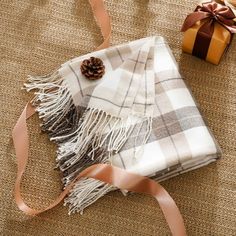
(38, 35)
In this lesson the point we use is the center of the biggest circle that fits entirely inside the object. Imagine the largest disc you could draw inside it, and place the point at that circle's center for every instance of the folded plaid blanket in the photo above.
(140, 116)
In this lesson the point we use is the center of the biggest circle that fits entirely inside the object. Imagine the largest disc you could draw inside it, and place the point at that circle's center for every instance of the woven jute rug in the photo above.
(36, 36)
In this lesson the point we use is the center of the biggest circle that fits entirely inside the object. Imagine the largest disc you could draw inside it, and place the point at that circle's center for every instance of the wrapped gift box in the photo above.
(208, 31)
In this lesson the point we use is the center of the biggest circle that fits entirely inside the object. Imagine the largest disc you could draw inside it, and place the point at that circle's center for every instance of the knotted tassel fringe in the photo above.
(86, 192)
(98, 136)
(84, 136)
(93, 145)
(54, 104)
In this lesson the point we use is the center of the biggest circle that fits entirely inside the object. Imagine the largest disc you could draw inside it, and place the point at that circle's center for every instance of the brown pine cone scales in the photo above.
(92, 68)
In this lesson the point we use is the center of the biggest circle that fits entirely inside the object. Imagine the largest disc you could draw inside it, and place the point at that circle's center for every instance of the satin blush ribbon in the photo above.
(103, 172)
(103, 21)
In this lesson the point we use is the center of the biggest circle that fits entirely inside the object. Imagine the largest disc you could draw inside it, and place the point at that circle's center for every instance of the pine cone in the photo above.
(92, 68)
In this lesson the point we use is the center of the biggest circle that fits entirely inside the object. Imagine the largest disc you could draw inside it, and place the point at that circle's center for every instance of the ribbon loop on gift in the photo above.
(213, 12)
(209, 13)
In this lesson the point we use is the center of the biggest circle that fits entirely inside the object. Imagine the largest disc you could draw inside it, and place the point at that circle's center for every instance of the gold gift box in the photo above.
(219, 42)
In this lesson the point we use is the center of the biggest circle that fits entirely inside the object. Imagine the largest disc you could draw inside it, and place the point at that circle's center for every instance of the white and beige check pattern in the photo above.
(180, 140)
(140, 116)
(124, 89)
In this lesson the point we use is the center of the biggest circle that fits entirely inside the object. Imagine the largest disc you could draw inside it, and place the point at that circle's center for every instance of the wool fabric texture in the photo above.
(139, 116)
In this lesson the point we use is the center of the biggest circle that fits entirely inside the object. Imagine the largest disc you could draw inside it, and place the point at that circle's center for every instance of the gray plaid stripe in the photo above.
(117, 49)
(77, 78)
(117, 55)
(145, 105)
(121, 160)
(167, 125)
(169, 132)
(106, 100)
(160, 133)
(167, 80)
(130, 82)
(179, 169)
(114, 58)
(137, 61)
(142, 104)
(87, 92)
(166, 74)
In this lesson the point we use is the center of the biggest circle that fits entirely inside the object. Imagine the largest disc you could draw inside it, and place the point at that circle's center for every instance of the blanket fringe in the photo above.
(84, 136)
(99, 135)
(86, 192)
(54, 105)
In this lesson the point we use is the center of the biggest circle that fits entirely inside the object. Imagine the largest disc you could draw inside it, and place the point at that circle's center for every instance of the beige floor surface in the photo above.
(36, 36)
